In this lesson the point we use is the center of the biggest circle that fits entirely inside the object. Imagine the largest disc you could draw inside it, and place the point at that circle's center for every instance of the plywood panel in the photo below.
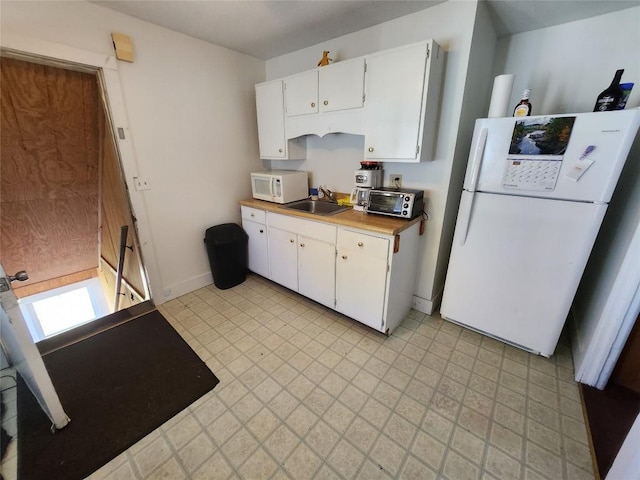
(22, 290)
(49, 187)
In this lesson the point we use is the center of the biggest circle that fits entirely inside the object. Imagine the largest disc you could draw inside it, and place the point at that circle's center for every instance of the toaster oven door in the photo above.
(388, 203)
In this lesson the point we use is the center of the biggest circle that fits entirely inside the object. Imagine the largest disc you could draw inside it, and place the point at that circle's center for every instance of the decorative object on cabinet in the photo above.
(325, 60)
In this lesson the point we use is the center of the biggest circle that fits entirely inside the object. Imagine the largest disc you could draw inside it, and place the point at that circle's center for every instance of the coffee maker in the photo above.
(367, 178)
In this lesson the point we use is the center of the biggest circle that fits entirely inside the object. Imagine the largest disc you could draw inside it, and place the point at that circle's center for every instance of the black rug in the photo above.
(116, 387)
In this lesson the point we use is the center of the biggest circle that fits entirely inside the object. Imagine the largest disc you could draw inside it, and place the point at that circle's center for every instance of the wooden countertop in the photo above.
(349, 218)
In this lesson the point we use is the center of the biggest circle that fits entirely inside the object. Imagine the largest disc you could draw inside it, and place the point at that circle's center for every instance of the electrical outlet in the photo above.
(141, 183)
(395, 180)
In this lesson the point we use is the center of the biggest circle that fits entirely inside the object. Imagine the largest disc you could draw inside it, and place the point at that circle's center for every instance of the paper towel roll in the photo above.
(501, 95)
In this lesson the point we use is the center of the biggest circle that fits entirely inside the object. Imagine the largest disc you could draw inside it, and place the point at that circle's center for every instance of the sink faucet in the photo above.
(327, 193)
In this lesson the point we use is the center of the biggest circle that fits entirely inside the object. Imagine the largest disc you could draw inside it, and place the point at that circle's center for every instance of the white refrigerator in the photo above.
(534, 196)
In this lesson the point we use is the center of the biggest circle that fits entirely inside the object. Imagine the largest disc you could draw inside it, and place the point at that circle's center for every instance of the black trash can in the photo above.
(227, 246)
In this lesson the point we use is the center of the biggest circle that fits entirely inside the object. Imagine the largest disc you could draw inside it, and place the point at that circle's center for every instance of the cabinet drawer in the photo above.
(375, 247)
(308, 228)
(253, 214)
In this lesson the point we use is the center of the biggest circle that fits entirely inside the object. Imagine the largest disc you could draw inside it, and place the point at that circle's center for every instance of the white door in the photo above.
(301, 93)
(258, 251)
(516, 264)
(605, 312)
(317, 270)
(270, 113)
(361, 277)
(341, 85)
(395, 83)
(24, 354)
(283, 258)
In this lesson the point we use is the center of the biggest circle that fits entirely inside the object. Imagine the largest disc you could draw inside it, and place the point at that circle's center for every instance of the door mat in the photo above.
(116, 387)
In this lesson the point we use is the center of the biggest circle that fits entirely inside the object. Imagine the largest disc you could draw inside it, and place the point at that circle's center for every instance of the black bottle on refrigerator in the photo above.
(609, 98)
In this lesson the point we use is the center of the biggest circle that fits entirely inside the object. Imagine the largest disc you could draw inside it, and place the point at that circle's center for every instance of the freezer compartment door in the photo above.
(515, 274)
(581, 158)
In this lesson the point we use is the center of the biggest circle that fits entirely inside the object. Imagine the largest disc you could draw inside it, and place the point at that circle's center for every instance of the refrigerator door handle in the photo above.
(466, 202)
(464, 216)
(476, 161)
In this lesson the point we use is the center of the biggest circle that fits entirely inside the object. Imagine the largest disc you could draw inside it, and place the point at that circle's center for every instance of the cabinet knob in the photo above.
(313, 104)
(280, 150)
(360, 244)
(326, 102)
(302, 244)
(344, 257)
(291, 240)
(261, 231)
(253, 214)
(371, 149)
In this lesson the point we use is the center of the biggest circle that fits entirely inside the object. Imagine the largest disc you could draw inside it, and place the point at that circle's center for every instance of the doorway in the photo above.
(612, 411)
(63, 197)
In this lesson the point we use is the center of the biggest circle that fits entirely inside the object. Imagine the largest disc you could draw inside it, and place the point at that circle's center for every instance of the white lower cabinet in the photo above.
(367, 276)
(302, 256)
(317, 270)
(258, 256)
(361, 276)
(254, 223)
(283, 257)
(376, 275)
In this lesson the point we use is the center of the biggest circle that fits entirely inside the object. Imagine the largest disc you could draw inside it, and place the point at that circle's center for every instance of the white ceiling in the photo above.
(269, 28)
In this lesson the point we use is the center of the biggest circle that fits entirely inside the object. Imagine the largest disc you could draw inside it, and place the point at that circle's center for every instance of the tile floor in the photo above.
(306, 393)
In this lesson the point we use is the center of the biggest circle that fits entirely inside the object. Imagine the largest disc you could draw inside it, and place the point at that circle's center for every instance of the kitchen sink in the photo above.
(316, 206)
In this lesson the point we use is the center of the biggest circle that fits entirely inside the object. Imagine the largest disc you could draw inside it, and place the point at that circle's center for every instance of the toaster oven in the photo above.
(405, 203)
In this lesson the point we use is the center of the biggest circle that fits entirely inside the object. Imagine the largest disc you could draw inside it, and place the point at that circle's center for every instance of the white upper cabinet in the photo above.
(391, 97)
(270, 110)
(271, 130)
(403, 92)
(341, 85)
(301, 93)
(326, 89)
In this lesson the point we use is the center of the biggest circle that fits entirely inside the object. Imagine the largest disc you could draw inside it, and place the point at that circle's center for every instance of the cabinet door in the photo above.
(270, 111)
(283, 258)
(395, 83)
(341, 85)
(316, 270)
(301, 93)
(361, 277)
(258, 253)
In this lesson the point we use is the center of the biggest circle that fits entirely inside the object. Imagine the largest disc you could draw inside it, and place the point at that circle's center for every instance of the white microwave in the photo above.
(280, 186)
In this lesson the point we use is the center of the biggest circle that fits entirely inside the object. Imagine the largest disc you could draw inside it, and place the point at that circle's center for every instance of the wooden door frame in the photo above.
(105, 67)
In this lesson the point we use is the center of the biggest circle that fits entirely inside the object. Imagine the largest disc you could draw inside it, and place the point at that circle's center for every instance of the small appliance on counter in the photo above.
(367, 178)
(280, 186)
(405, 203)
